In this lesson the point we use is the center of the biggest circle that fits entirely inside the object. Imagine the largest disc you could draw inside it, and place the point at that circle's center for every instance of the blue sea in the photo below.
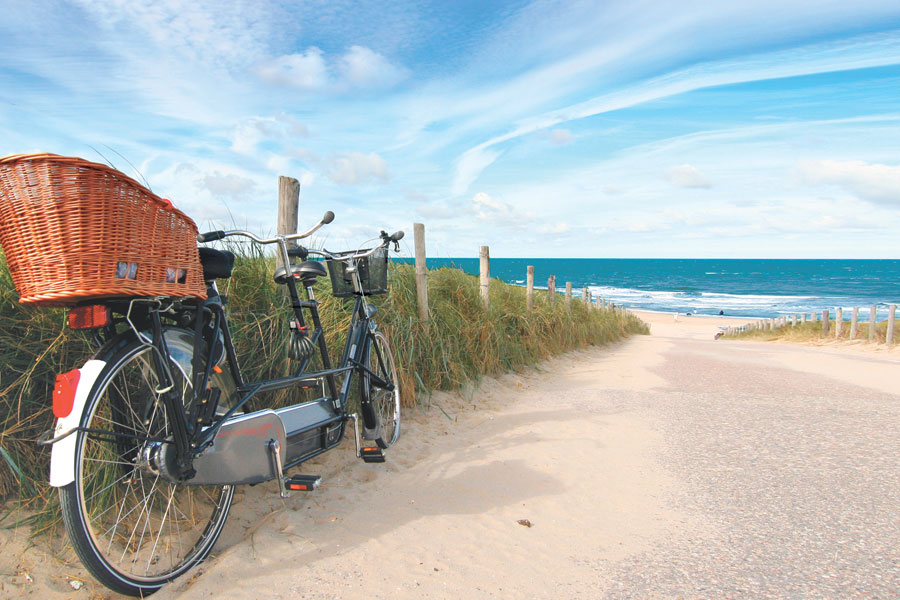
(737, 287)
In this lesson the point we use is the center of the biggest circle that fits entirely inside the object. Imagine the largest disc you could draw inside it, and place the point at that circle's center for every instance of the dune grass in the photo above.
(814, 332)
(462, 343)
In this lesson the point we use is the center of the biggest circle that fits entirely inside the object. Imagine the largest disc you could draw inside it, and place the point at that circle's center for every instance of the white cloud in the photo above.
(305, 71)
(436, 210)
(876, 183)
(687, 176)
(361, 67)
(499, 213)
(254, 130)
(358, 67)
(228, 184)
(560, 137)
(555, 229)
(354, 168)
(469, 167)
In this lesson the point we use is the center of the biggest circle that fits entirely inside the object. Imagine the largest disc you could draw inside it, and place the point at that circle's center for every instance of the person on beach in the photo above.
(676, 317)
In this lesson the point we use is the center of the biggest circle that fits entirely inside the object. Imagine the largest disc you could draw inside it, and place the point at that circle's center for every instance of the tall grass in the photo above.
(814, 332)
(461, 343)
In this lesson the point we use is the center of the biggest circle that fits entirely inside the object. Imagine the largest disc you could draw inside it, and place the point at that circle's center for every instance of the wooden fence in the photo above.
(829, 327)
(485, 280)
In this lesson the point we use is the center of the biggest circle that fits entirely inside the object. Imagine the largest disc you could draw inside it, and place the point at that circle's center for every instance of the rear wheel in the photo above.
(131, 528)
(383, 402)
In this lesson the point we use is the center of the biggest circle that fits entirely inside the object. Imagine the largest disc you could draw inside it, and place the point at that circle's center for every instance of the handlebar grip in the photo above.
(210, 236)
(299, 252)
(397, 236)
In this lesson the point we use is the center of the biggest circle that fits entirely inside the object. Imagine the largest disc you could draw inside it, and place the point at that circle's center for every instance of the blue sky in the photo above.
(736, 129)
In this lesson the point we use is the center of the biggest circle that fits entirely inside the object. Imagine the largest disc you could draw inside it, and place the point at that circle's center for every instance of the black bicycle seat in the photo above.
(307, 270)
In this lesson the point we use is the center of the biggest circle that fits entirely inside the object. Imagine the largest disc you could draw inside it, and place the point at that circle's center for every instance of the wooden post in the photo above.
(838, 322)
(803, 319)
(421, 271)
(485, 257)
(889, 338)
(826, 322)
(569, 293)
(551, 288)
(794, 320)
(288, 204)
(529, 288)
(854, 323)
(872, 313)
(584, 295)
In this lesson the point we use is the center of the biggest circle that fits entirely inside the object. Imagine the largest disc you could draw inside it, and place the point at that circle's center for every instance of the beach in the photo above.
(668, 465)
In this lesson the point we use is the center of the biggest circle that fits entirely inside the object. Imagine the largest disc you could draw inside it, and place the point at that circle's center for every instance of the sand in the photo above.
(630, 470)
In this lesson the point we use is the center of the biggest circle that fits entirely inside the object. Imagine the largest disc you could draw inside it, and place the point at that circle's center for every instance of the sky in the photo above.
(638, 128)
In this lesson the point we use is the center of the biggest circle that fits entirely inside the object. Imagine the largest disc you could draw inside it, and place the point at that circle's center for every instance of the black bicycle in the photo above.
(159, 426)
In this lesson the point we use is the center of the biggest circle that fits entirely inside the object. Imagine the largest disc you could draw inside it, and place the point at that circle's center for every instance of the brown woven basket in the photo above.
(74, 230)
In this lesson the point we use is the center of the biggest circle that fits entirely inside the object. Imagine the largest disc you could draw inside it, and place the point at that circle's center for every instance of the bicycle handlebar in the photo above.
(301, 252)
(212, 236)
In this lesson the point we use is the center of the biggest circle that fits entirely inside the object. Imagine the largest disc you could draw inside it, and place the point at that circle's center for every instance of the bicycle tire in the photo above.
(133, 530)
(384, 403)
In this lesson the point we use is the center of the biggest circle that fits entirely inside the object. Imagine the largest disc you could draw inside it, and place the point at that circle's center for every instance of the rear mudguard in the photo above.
(62, 457)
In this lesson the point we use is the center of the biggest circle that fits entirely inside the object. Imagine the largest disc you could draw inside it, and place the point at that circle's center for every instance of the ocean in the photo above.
(737, 287)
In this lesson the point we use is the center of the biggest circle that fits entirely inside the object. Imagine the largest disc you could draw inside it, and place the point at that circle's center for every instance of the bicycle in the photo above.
(156, 429)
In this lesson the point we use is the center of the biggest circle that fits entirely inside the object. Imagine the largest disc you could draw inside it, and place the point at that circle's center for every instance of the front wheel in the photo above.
(377, 395)
(131, 528)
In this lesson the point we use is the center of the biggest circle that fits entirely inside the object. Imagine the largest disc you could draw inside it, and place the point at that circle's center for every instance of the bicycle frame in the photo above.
(157, 428)
(351, 362)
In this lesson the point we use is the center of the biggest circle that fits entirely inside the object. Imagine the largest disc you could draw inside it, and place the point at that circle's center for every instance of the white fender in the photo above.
(62, 457)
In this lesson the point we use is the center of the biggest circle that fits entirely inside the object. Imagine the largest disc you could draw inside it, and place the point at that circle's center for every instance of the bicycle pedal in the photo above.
(371, 455)
(302, 483)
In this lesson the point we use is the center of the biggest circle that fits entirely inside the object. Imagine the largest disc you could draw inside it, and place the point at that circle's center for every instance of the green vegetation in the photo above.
(462, 343)
(813, 332)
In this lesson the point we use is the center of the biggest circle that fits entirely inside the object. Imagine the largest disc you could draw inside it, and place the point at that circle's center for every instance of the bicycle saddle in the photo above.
(308, 270)
(216, 263)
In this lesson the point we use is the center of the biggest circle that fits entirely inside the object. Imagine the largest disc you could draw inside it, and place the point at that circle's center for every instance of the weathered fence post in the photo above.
(854, 323)
(568, 293)
(529, 288)
(485, 256)
(421, 271)
(826, 322)
(584, 295)
(889, 337)
(794, 320)
(872, 313)
(838, 321)
(551, 287)
(803, 319)
(288, 205)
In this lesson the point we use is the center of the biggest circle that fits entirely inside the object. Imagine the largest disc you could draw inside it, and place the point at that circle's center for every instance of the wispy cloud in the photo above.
(876, 183)
(687, 176)
(354, 168)
(358, 67)
(858, 53)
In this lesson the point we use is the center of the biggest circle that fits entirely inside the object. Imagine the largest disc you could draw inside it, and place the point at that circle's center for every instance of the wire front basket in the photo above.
(372, 272)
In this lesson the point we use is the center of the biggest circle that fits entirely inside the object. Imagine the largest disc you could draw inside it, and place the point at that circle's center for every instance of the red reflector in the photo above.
(64, 393)
(89, 317)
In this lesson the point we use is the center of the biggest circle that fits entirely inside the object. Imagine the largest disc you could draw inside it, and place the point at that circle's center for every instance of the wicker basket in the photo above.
(372, 274)
(74, 230)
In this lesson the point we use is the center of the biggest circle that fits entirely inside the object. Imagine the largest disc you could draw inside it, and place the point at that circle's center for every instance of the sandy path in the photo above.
(666, 466)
